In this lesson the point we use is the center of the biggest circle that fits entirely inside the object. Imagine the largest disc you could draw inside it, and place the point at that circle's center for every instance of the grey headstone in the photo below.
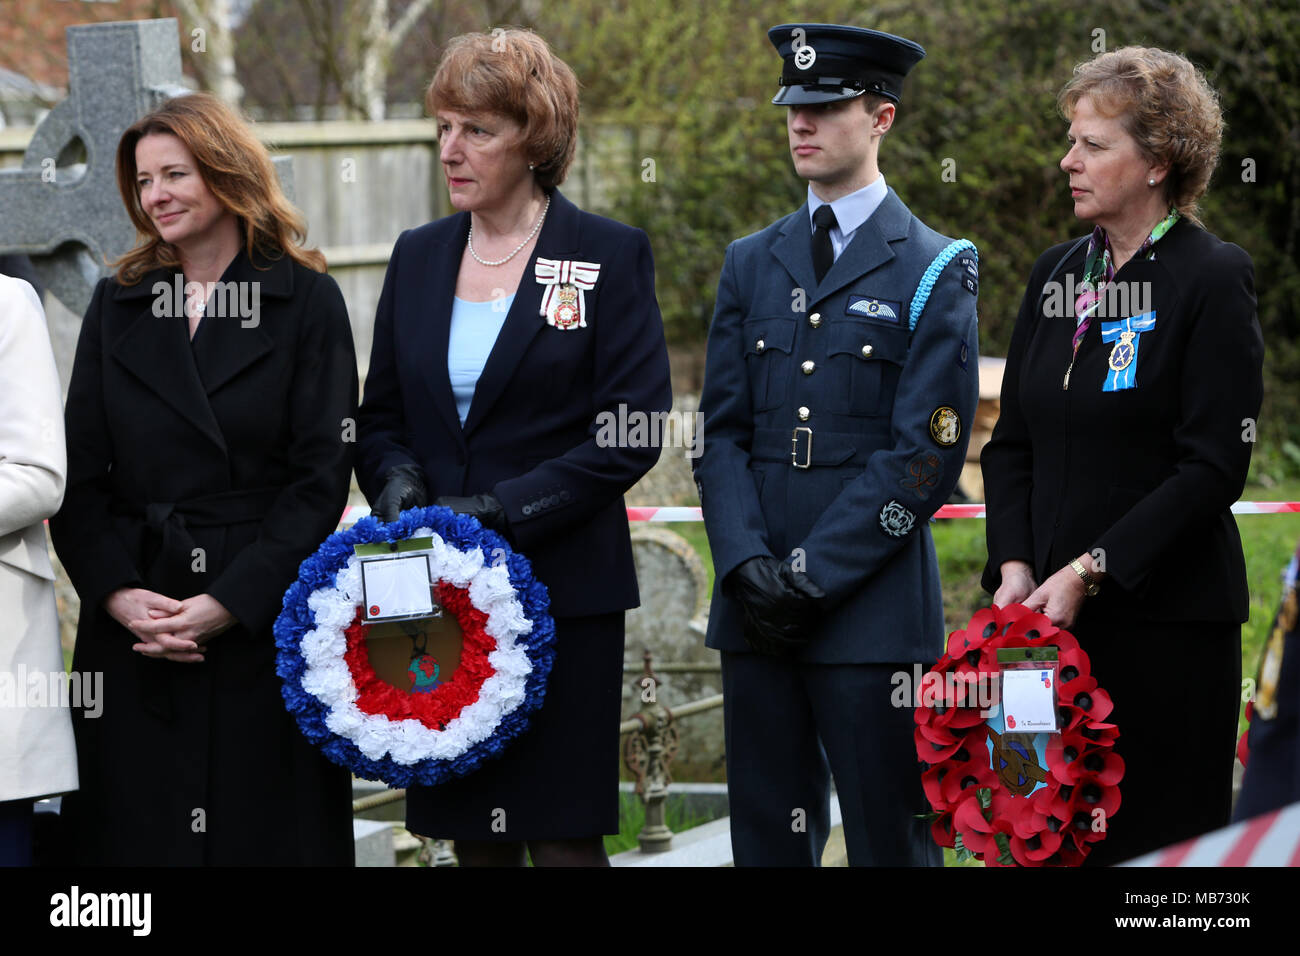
(73, 225)
(670, 623)
(373, 840)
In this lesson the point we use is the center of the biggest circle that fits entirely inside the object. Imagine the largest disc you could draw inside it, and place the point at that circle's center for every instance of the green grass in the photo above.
(631, 820)
(950, 859)
(1268, 541)
(693, 531)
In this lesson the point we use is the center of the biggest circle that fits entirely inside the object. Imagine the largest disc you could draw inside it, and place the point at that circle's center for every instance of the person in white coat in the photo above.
(37, 754)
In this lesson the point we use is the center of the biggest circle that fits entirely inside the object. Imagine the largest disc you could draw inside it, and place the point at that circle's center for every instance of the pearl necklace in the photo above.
(500, 262)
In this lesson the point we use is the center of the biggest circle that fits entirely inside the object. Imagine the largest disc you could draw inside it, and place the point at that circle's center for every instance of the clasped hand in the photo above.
(1060, 597)
(166, 628)
(781, 605)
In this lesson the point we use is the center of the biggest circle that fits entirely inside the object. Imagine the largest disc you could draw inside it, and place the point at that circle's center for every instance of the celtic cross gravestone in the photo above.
(62, 206)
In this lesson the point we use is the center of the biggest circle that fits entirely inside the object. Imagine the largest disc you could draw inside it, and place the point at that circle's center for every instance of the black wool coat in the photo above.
(214, 465)
(1142, 477)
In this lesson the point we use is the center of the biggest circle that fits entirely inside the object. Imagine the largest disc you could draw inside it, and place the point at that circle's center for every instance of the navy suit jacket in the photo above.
(531, 434)
(869, 391)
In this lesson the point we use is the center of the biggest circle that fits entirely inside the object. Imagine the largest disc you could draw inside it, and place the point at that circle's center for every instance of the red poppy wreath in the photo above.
(1012, 798)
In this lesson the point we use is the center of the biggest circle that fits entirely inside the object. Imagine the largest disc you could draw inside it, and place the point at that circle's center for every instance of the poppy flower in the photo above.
(977, 833)
(1035, 849)
(1065, 753)
(930, 780)
(929, 751)
(1072, 662)
(982, 626)
(942, 830)
(965, 778)
(1031, 625)
(1099, 734)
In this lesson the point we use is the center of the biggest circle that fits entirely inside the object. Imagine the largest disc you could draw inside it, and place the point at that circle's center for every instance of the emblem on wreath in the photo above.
(423, 674)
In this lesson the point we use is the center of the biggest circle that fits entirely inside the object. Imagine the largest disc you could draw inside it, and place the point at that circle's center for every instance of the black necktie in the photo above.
(823, 253)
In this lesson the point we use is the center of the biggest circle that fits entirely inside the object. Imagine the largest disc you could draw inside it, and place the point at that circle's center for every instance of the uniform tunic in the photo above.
(831, 434)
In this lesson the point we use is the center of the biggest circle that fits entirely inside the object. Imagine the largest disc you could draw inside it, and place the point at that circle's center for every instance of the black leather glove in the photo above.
(403, 488)
(782, 606)
(486, 508)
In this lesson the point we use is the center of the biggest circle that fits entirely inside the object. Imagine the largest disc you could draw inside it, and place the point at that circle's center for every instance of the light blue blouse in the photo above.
(474, 330)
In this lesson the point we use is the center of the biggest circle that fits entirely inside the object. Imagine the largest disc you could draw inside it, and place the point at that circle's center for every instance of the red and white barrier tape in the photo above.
(657, 513)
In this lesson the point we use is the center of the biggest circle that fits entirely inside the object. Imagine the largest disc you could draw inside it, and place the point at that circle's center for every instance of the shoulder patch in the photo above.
(895, 520)
(945, 426)
(970, 274)
(923, 474)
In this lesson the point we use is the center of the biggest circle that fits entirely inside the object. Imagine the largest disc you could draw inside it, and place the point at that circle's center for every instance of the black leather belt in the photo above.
(805, 447)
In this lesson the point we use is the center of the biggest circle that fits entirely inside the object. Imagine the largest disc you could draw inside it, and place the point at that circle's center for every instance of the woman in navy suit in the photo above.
(502, 335)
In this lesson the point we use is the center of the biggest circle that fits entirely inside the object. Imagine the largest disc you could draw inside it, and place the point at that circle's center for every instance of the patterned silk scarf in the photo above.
(1098, 270)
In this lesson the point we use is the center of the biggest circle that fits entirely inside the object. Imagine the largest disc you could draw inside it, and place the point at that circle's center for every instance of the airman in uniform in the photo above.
(840, 386)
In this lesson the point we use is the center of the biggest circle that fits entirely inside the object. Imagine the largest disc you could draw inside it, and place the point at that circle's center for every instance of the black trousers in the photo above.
(1177, 692)
(16, 833)
(790, 728)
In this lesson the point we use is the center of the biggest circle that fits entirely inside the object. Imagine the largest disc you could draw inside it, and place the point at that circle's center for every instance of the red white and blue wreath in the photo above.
(435, 730)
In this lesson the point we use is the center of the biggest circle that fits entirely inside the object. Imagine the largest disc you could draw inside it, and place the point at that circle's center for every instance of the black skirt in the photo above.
(1176, 687)
(559, 780)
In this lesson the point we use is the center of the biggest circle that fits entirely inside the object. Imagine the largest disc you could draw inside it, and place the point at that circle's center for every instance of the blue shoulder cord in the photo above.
(931, 276)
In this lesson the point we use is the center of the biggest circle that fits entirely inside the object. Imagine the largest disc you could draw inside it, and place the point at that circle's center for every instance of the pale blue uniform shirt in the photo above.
(474, 330)
(850, 211)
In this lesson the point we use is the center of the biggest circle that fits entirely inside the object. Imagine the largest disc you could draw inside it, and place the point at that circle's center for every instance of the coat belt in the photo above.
(805, 447)
(171, 570)
(169, 524)
(211, 511)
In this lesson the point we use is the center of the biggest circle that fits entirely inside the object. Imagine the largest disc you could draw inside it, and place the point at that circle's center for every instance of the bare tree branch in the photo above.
(407, 20)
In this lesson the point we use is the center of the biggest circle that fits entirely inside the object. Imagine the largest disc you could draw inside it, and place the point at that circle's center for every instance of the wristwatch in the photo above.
(1090, 585)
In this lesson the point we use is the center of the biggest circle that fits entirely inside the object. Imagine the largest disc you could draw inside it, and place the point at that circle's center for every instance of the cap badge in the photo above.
(804, 57)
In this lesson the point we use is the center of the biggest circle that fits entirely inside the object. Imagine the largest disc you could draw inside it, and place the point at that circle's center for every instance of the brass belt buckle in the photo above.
(794, 447)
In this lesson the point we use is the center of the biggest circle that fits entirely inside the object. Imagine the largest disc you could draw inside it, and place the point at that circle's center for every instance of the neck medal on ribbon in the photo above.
(565, 280)
(1127, 333)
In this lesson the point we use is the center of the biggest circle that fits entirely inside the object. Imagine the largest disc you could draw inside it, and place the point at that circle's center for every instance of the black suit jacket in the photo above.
(531, 434)
(1142, 477)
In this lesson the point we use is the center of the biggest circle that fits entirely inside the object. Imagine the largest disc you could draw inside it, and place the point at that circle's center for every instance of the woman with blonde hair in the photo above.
(208, 426)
